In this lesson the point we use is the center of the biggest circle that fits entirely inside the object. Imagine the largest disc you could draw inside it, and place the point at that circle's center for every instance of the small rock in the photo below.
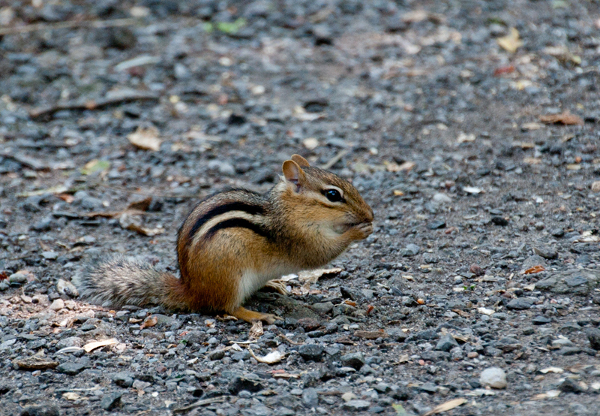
(593, 335)
(43, 225)
(216, 355)
(111, 401)
(310, 398)
(123, 379)
(356, 405)
(531, 261)
(70, 369)
(570, 386)
(349, 396)
(17, 279)
(224, 168)
(410, 250)
(577, 282)
(354, 360)
(50, 255)
(503, 222)
(440, 198)
(436, 225)
(66, 288)
(494, 377)
(57, 305)
(41, 410)
(311, 352)
(541, 320)
(250, 382)
(546, 252)
(520, 304)
(446, 343)
(557, 232)
(595, 186)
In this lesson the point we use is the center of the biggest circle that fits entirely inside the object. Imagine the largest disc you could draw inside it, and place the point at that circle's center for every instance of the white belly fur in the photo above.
(252, 280)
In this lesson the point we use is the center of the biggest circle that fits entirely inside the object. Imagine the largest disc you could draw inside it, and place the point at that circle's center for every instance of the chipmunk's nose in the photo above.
(369, 217)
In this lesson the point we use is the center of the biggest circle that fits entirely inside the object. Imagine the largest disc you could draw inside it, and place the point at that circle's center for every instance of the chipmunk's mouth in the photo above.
(361, 225)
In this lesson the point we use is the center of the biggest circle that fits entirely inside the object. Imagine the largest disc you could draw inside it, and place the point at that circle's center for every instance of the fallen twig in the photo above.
(198, 404)
(95, 24)
(336, 158)
(92, 104)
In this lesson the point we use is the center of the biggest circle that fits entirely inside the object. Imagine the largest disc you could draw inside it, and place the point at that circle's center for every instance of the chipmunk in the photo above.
(234, 242)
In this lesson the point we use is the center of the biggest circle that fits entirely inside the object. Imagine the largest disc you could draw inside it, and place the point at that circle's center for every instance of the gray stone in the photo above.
(50, 255)
(249, 382)
(216, 355)
(310, 398)
(41, 410)
(532, 261)
(541, 320)
(446, 343)
(111, 401)
(311, 352)
(494, 377)
(123, 379)
(17, 279)
(354, 360)
(410, 250)
(520, 304)
(546, 252)
(578, 282)
(593, 335)
(570, 386)
(356, 405)
(70, 369)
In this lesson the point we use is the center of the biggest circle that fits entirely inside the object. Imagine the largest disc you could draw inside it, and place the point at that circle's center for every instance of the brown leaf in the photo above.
(565, 118)
(35, 362)
(140, 205)
(371, 334)
(145, 138)
(535, 269)
(406, 166)
(449, 405)
(149, 322)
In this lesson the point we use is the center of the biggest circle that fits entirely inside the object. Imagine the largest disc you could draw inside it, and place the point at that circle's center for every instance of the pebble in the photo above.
(57, 304)
(111, 401)
(310, 397)
(354, 360)
(17, 279)
(41, 410)
(410, 250)
(446, 343)
(311, 352)
(356, 405)
(70, 369)
(441, 198)
(593, 335)
(520, 304)
(349, 396)
(494, 377)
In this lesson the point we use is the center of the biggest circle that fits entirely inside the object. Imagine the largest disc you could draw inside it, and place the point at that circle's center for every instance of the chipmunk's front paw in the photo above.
(270, 318)
(278, 286)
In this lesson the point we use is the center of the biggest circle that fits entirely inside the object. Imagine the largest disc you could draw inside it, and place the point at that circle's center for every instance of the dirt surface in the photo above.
(449, 117)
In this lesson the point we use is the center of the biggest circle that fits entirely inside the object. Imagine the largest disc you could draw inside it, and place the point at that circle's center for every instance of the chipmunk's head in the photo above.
(327, 200)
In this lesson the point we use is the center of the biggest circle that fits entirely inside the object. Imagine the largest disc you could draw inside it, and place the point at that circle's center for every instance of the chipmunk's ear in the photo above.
(300, 161)
(293, 173)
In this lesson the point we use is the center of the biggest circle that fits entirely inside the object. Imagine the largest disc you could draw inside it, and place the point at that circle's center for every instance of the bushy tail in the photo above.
(121, 280)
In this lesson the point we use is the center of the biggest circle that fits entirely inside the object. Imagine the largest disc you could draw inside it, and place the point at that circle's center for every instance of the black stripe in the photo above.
(222, 209)
(238, 223)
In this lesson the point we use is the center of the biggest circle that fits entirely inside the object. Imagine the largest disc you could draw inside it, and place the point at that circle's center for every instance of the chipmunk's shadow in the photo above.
(285, 306)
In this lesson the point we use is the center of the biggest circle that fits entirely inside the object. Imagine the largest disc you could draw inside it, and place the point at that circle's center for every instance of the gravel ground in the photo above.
(471, 127)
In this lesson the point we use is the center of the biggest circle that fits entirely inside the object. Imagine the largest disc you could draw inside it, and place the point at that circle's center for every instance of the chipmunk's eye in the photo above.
(333, 195)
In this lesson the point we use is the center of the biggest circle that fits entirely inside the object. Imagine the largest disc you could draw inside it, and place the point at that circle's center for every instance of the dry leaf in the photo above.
(91, 346)
(94, 166)
(271, 358)
(444, 407)
(465, 138)
(149, 322)
(71, 396)
(145, 138)
(312, 276)
(556, 370)
(142, 205)
(257, 330)
(534, 269)
(510, 42)
(350, 302)
(531, 126)
(371, 334)
(565, 118)
(406, 166)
